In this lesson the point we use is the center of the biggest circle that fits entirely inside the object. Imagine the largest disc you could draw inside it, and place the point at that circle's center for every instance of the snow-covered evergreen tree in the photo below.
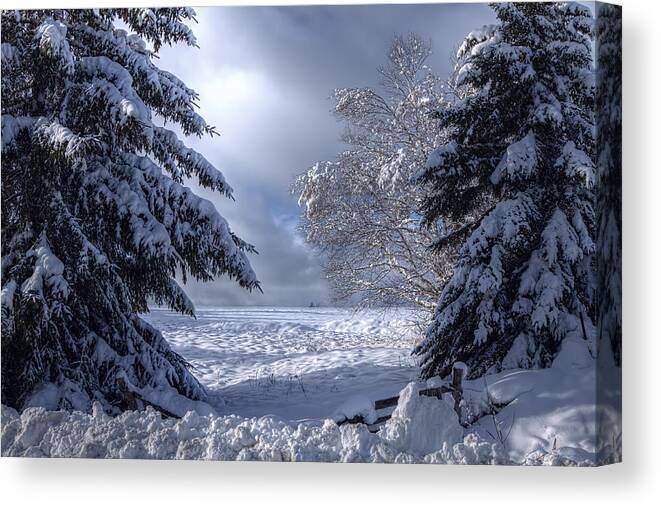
(609, 177)
(96, 220)
(518, 174)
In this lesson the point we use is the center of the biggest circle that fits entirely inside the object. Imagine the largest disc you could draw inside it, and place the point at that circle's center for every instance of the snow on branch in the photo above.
(93, 229)
(52, 39)
(180, 161)
(47, 274)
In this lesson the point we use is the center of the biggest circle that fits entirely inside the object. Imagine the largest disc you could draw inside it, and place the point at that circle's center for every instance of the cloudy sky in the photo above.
(264, 75)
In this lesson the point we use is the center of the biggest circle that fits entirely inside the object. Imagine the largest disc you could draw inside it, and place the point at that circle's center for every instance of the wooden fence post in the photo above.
(457, 388)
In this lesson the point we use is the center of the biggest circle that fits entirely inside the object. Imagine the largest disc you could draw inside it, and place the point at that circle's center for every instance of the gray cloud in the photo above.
(264, 75)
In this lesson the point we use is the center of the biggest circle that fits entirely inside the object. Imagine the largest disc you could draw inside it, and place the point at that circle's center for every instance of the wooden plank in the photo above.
(455, 388)
(386, 403)
(436, 391)
(355, 419)
(429, 392)
(376, 426)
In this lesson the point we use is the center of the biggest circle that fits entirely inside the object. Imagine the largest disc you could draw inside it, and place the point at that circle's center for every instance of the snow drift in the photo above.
(40, 433)
(421, 430)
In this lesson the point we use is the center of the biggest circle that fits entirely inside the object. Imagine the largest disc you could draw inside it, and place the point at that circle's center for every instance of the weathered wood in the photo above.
(355, 419)
(428, 392)
(376, 426)
(386, 403)
(455, 388)
(435, 391)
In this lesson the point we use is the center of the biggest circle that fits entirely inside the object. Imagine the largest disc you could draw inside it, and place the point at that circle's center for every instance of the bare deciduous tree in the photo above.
(361, 209)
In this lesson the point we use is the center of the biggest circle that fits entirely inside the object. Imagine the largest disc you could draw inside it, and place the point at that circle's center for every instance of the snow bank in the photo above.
(40, 433)
(546, 412)
(358, 405)
(422, 430)
(283, 372)
(422, 424)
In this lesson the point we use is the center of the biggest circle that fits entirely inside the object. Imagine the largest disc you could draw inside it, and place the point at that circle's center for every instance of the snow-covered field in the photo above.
(297, 363)
(277, 377)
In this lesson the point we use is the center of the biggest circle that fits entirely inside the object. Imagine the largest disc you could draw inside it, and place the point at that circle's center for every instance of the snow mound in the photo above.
(421, 430)
(574, 353)
(358, 405)
(422, 424)
(556, 413)
(541, 426)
